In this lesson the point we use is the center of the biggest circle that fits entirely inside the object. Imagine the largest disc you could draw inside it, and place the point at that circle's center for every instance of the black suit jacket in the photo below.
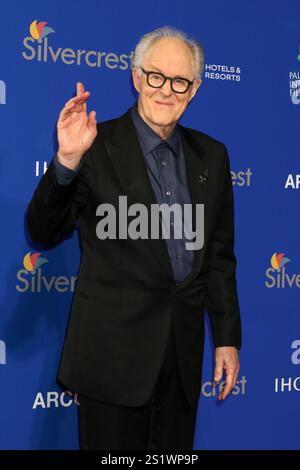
(125, 293)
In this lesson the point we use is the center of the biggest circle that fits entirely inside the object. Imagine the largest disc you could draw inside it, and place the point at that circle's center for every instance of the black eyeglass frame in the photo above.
(147, 73)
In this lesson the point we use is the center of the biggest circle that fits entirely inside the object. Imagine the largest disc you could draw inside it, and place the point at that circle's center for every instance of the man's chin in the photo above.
(160, 119)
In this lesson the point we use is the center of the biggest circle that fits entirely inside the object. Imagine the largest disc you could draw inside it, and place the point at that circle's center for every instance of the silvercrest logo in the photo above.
(38, 48)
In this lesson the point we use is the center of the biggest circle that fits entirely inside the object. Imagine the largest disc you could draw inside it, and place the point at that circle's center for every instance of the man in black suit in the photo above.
(134, 344)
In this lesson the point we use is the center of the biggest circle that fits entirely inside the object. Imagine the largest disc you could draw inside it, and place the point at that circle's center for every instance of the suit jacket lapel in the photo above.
(197, 167)
(128, 160)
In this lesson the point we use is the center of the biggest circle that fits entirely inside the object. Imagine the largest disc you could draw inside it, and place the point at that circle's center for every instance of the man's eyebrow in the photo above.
(153, 67)
(156, 69)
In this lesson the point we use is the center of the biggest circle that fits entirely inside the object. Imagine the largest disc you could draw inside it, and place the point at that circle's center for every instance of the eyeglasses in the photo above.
(157, 80)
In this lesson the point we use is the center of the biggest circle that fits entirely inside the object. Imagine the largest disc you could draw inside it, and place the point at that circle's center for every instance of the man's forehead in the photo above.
(161, 59)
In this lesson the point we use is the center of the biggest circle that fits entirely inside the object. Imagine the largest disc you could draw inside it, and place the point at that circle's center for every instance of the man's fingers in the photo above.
(66, 112)
(236, 376)
(91, 122)
(226, 358)
(218, 373)
(228, 386)
(80, 88)
(81, 92)
(75, 104)
(78, 99)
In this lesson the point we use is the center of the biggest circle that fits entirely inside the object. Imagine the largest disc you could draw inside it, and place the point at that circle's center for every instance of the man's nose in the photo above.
(166, 88)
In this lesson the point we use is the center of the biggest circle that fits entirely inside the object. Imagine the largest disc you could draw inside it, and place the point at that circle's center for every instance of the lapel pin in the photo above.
(203, 177)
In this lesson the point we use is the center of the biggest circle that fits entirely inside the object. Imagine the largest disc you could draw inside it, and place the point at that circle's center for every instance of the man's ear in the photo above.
(136, 79)
(195, 87)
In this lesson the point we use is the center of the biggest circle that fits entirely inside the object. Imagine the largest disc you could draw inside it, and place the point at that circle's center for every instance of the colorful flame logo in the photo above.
(278, 260)
(33, 261)
(40, 30)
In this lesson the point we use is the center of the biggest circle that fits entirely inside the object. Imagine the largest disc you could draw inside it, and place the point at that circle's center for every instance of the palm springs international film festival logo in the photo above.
(2, 92)
(37, 48)
(2, 352)
(32, 279)
(277, 275)
(295, 83)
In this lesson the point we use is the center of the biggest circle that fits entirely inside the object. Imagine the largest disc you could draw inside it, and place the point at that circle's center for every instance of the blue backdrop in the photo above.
(250, 100)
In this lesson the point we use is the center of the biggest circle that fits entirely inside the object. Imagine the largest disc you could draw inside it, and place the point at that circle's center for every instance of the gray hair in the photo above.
(148, 39)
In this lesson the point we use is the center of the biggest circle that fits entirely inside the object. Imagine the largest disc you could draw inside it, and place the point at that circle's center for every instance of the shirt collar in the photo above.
(149, 138)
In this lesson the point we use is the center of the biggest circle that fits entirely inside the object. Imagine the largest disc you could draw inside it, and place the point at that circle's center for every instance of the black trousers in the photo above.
(166, 421)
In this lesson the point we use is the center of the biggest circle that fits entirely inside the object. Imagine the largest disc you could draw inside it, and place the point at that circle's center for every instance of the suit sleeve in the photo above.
(64, 175)
(54, 207)
(221, 288)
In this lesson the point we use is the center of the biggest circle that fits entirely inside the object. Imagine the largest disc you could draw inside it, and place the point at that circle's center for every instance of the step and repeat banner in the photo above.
(250, 100)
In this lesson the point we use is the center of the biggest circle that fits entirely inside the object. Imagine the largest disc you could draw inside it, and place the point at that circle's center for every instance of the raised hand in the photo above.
(76, 130)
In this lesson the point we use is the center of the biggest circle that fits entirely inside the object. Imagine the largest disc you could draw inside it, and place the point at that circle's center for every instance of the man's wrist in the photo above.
(64, 175)
(73, 166)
